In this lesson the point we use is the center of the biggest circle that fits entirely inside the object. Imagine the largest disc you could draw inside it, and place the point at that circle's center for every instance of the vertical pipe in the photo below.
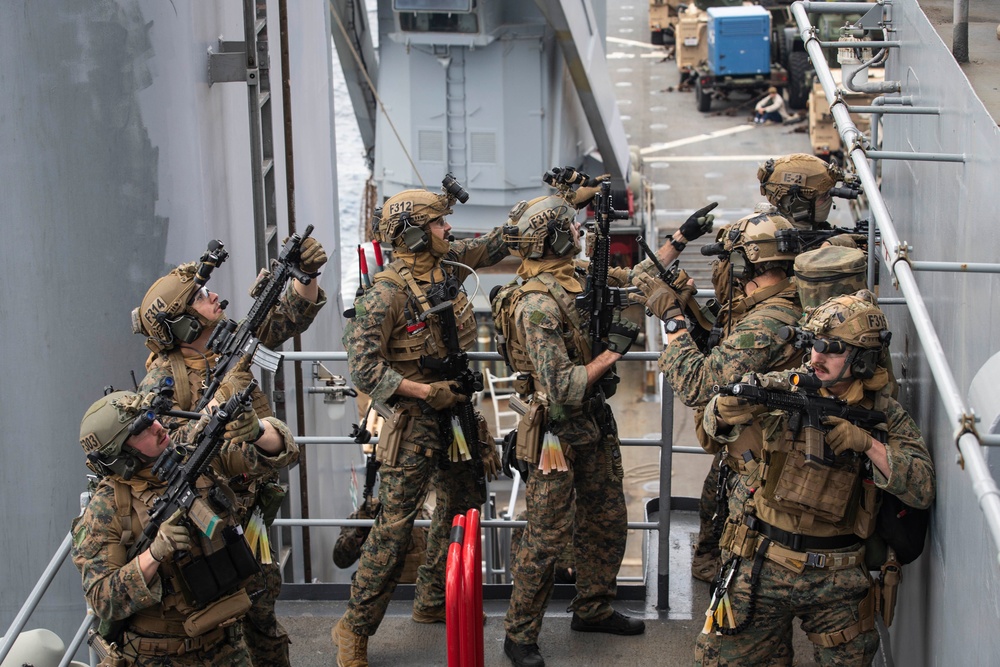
(300, 416)
(960, 31)
(663, 518)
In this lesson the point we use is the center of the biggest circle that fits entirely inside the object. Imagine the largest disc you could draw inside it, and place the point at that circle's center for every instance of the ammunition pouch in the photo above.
(220, 614)
(827, 492)
(208, 578)
(396, 427)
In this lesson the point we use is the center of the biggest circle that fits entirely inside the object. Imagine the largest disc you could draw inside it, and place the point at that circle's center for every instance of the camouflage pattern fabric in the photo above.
(226, 652)
(598, 528)
(379, 317)
(598, 533)
(826, 601)
(266, 638)
(565, 572)
(751, 346)
(116, 588)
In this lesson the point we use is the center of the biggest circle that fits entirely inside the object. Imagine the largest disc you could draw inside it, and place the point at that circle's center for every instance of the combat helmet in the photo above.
(851, 322)
(106, 426)
(405, 216)
(543, 222)
(795, 182)
(752, 245)
(165, 316)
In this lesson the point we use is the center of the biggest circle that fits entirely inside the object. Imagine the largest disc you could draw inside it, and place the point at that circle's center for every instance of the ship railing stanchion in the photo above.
(453, 593)
(472, 590)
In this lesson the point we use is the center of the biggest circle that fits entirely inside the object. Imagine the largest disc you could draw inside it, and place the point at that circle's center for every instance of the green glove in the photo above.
(699, 223)
(846, 437)
(170, 538)
(244, 428)
(443, 395)
(622, 334)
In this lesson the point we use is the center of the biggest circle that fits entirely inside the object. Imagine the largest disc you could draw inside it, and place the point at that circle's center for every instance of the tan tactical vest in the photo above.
(817, 500)
(507, 307)
(174, 615)
(405, 349)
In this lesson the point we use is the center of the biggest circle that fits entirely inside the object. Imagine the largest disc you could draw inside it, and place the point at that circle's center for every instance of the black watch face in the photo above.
(673, 326)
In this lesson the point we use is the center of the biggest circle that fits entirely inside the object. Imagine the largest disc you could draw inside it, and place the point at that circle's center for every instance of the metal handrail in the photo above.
(894, 254)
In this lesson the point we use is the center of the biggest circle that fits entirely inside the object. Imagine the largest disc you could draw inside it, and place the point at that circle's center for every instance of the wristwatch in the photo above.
(673, 326)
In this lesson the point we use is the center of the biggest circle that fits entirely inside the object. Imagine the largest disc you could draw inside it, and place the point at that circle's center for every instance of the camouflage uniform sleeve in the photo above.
(114, 588)
(715, 429)
(539, 319)
(480, 251)
(291, 316)
(377, 315)
(911, 471)
(753, 346)
(246, 458)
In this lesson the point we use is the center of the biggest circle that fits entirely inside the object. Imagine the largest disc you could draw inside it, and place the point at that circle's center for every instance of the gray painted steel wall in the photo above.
(948, 610)
(120, 161)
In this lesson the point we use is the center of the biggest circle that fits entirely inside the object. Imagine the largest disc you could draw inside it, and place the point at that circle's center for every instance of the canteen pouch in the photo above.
(220, 613)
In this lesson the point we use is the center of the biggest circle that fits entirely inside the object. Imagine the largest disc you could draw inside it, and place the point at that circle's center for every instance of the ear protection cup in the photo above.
(186, 328)
(415, 238)
(864, 363)
(560, 241)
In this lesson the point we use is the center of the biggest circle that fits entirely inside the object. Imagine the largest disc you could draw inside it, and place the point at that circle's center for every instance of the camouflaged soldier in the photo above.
(145, 604)
(794, 543)
(394, 347)
(751, 277)
(799, 186)
(546, 341)
(177, 318)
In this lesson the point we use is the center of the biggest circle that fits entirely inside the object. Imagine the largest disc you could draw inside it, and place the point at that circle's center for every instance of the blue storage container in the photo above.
(739, 40)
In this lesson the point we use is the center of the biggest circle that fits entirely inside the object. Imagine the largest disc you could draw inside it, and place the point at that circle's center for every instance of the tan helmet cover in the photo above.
(170, 296)
(829, 271)
(422, 207)
(532, 220)
(852, 318)
(757, 237)
(104, 427)
(813, 176)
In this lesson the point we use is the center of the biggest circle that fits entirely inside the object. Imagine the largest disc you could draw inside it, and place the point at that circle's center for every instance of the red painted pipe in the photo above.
(473, 589)
(453, 592)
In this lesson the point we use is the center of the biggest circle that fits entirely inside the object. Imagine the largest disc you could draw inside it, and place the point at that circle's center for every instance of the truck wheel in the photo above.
(798, 88)
(704, 99)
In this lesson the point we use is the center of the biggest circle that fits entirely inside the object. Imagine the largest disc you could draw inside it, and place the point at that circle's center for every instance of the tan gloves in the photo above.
(734, 410)
(491, 461)
(442, 395)
(622, 334)
(312, 256)
(659, 298)
(235, 381)
(171, 537)
(845, 436)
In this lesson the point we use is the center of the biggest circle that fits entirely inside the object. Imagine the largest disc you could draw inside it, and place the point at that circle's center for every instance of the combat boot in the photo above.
(352, 648)
(429, 615)
(615, 624)
(523, 655)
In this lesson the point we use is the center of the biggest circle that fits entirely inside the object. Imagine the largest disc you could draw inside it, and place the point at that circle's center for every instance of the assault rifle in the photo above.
(234, 341)
(669, 275)
(598, 300)
(807, 410)
(181, 475)
(797, 241)
(455, 367)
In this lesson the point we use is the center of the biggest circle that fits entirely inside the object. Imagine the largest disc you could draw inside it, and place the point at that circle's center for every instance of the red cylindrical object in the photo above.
(453, 592)
(378, 254)
(363, 266)
(472, 586)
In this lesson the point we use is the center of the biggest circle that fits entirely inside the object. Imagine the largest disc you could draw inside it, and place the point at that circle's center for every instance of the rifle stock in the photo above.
(235, 342)
(808, 409)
